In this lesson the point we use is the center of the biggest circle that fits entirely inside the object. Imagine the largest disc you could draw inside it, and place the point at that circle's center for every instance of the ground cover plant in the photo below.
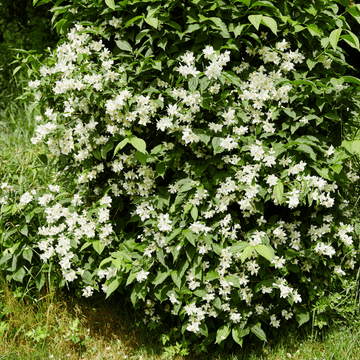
(197, 163)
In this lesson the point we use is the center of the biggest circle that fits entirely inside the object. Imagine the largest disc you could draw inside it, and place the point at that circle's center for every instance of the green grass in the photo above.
(60, 326)
(57, 325)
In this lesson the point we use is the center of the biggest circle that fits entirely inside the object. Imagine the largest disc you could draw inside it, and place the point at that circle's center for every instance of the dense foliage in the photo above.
(21, 28)
(199, 162)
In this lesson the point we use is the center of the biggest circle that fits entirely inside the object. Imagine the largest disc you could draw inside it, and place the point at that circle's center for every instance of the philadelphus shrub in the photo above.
(208, 192)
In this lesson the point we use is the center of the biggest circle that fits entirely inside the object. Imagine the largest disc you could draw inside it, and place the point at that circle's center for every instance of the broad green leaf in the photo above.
(353, 146)
(160, 168)
(123, 45)
(112, 287)
(334, 37)
(270, 23)
(220, 24)
(308, 150)
(247, 252)
(278, 191)
(233, 78)
(27, 254)
(24, 230)
(222, 333)
(351, 39)
(98, 246)
(233, 281)
(141, 157)
(255, 20)
(216, 145)
(121, 145)
(211, 275)
(246, 2)
(176, 279)
(152, 22)
(129, 22)
(238, 334)
(255, 329)
(19, 275)
(160, 278)
(302, 316)
(239, 247)
(350, 79)
(194, 213)
(110, 4)
(138, 144)
(193, 83)
(354, 11)
(190, 236)
(266, 251)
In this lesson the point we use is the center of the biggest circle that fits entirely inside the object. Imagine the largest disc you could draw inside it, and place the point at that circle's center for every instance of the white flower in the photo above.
(208, 51)
(229, 143)
(164, 223)
(272, 180)
(329, 151)
(25, 198)
(142, 275)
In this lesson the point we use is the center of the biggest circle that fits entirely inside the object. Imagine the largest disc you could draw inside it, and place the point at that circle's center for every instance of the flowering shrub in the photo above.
(198, 163)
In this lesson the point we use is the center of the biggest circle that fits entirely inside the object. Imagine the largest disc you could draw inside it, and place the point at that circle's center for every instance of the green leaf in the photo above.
(278, 191)
(232, 77)
(266, 251)
(270, 23)
(334, 37)
(98, 246)
(123, 45)
(238, 334)
(24, 230)
(110, 4)
(27, 255)
(216, 145)
(220, 24)
(233, 281)
(129, 22)
(176, 279)
(19, 275)
(152, 22)
(247, 252)
(350, 79)
(354, 11)
(160, 278)
(306, 149)
(121, 145)
(302, 316)
(190, 236)
(141, 157)
(351, 39)
(161, 168)
(246, 2)
(255, 20)
(194, 213)
(239, 247)
(138, 144)
(193, 83)
(222, 333)
(255, 329)
(112, 287)
(353, 146)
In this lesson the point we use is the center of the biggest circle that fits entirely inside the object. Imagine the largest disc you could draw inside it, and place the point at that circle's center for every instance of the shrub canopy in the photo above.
(200, 157)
